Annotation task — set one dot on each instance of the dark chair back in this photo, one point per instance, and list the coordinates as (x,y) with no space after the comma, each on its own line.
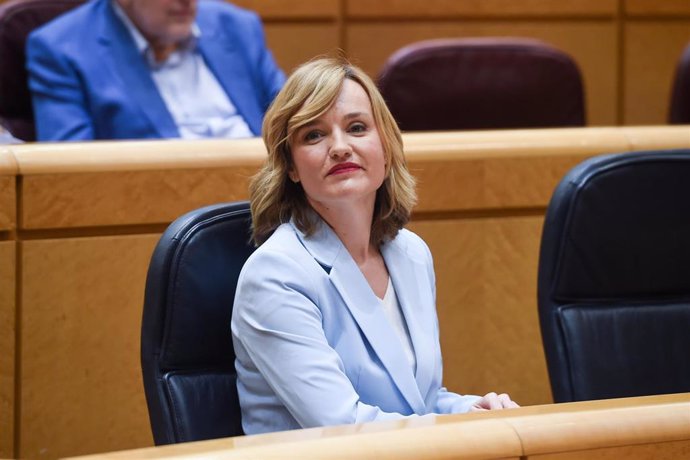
(680,96)
(614,278)
(187,357)
(482,83)
(18,18)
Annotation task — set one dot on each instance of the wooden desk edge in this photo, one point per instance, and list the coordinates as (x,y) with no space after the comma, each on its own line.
(520,432)
(105,156)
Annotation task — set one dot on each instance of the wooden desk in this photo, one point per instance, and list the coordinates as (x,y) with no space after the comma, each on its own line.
(87,216)
(630,428)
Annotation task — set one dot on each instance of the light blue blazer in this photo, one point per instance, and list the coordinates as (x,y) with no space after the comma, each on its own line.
(88,80)
(314,346)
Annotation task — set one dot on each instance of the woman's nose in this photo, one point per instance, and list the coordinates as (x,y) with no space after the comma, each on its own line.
(339,147)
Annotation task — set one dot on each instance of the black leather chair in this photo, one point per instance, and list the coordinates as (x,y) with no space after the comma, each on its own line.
(680,96)
(18,18)
(482,83)
(614,278)
(187,357)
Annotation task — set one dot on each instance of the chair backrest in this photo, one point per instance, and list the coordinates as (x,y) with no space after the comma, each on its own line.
(614,278)
(679,113)
(187,357)
(18,18)
(482,83)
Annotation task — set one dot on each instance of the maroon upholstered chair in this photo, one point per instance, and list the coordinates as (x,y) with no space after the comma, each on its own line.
(482,83)
(17,19)
(680,97)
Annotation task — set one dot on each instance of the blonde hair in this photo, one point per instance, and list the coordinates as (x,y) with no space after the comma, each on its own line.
(308,93)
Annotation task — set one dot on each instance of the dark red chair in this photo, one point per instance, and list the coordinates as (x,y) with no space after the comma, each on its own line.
(680,97)
(17,19)
(482,83)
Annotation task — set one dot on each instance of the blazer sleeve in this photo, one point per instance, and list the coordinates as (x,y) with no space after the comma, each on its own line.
(277,321)
(58,99)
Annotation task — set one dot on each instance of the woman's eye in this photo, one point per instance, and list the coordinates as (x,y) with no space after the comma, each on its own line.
(312,136)
(358,128)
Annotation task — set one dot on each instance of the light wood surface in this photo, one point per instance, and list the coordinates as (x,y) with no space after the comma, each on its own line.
(647,8)
(658,424)
(8,200)
(80,325)
(413,9)
(652,50)
(280,10)
(8,172)
(7,349)
(91,213)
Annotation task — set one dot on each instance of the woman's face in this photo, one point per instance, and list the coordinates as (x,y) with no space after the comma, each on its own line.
(339,158)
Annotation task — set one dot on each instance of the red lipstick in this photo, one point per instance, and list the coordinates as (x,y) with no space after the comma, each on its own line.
(342,168)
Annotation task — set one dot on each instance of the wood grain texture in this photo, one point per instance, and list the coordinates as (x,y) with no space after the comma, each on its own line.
(123,198)
(82,390)
(653,451)
(657,137)
(652,50)
(63,157)
(7,348)
(294,43)
(486,300)
(647,8)
(281,10)
(444,9)
(592,44)
(8,202)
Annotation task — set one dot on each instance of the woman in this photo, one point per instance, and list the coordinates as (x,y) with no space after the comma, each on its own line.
(334,320)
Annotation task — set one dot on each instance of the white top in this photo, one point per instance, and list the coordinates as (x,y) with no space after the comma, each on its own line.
(197,102)
(394,314)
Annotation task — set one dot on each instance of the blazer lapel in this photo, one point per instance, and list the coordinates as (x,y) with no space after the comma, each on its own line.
(410,280)
(135,76)
(366,309)
(226,62)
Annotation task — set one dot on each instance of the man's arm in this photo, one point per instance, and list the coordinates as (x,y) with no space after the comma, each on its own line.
(58,97)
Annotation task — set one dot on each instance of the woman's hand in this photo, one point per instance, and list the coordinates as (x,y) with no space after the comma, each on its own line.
(492,401)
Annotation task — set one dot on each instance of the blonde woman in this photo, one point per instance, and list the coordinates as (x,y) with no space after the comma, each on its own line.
(334,320)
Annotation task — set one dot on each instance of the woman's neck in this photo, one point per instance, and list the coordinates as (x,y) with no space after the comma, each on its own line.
(352,223)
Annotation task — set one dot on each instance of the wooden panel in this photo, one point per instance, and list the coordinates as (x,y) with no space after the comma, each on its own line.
(294,9)
(414,9)
(592,44)
(8,213)
(122,198)
(671,8)
(295,43)
(652,50)
(678,449)
(486,281)
(7,334)
(82,390)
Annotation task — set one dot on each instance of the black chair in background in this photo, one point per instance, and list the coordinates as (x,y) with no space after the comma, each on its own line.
(680,96)
(482,83)
(614,278)
(187,357)
(18,18)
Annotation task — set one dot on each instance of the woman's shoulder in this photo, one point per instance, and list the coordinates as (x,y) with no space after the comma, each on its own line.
(282,251)
(411,243)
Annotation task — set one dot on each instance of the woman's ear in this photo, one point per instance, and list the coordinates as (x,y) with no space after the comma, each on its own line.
(292,174)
